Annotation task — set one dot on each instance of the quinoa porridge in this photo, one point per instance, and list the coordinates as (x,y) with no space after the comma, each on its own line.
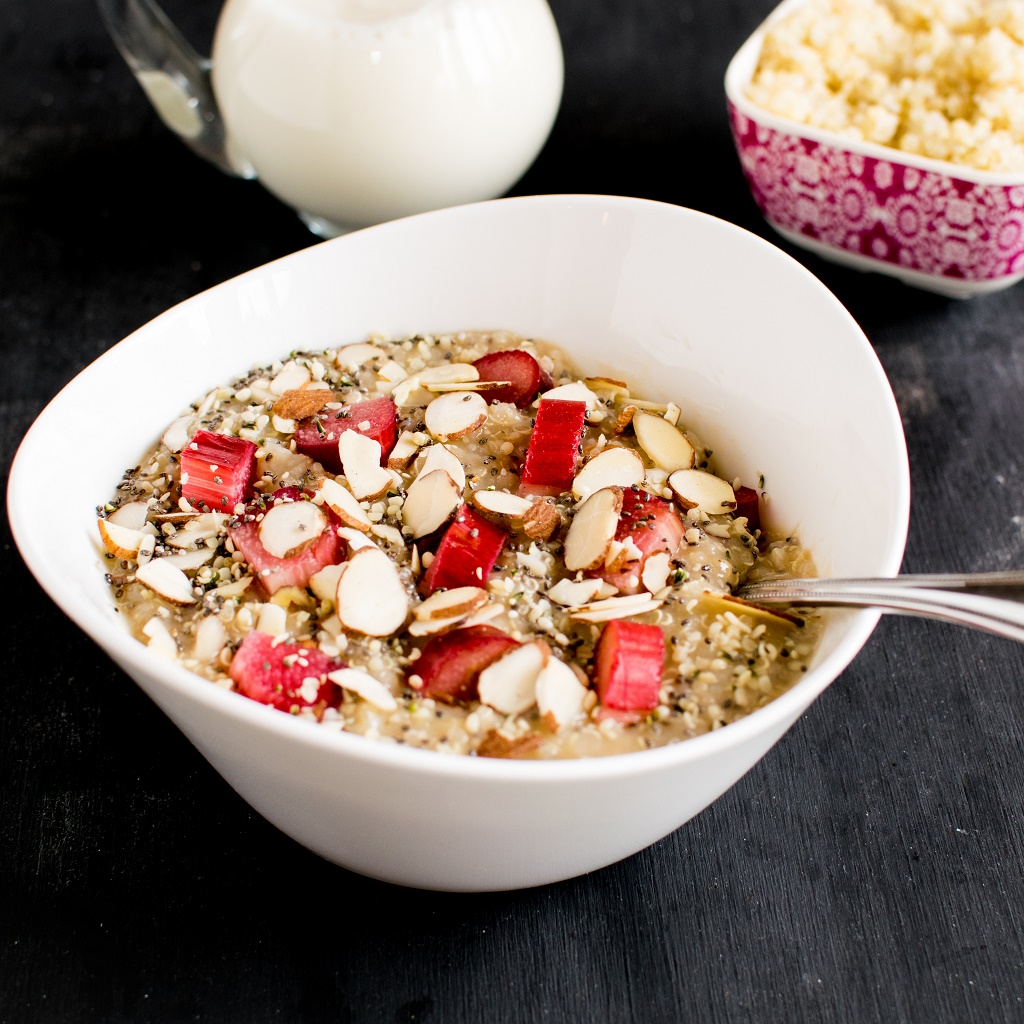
(942,79)
(456,542)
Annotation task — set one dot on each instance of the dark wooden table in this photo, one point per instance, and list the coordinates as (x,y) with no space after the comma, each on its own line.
(868,869)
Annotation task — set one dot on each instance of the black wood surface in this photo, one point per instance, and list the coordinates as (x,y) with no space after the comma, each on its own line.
(868,869)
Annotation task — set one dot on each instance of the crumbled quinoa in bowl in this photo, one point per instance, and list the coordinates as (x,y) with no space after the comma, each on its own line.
(455,542)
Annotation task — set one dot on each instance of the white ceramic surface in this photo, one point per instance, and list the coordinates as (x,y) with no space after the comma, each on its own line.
(767,366)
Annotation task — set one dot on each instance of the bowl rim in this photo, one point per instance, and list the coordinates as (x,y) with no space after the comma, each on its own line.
(741,69)
(125,650)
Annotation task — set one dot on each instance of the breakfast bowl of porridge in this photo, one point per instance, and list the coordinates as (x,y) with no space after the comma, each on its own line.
(428,536)
(887,135)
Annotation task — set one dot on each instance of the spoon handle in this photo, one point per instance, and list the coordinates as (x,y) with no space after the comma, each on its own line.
(964,599)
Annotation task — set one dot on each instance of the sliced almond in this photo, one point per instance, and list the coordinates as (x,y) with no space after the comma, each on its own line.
(167,581)
(615,608)
(391,372)
(354,539)
(654,574)
(291,526)
(560,694)
(469,385)
(718,603)
(575,392)
(592,529)
(439,456)
(451,416)
(672,413)
(342,502)
(406,449)
(620,554)
(573,593)
(666,446)
(211,638)
(324,583)
(541,521)
(625,418)
(695,488)
(509,685)
(160,640)
(430,627)
(291,377)
(501,503)
(410,394)
(614,466)
(619,388)
(197,530)
(189,561)
(456,603)
(120,541)
(301,403)
(132,515)
(351,357)
(372,690)
(272,619)
(176,436)
(360,461)
(371,597)
(497,744)
(448,373)
(431,502)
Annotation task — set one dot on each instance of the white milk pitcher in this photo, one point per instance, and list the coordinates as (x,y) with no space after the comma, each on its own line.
(357,111)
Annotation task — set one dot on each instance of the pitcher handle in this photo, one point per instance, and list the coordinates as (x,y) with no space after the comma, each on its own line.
(174,78)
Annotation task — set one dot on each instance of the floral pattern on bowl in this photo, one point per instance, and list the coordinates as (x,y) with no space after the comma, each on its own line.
(961,232)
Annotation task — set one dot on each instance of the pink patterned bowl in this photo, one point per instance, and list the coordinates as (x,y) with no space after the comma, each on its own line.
(938,226)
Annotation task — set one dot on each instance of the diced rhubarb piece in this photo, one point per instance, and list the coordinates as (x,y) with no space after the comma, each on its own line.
(516,366)
(288,677)
(628,663)
(273,573)
(747,505)
(651,524)
(550,463)
(318,436)
(217,471)
(450,664)
(466,554)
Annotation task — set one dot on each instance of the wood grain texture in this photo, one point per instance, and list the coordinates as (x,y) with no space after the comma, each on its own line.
(868,869)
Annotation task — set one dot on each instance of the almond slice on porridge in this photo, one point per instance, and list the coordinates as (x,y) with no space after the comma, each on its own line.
(455,603)
(301,403)
(509,684)
(501,503)
(120,541)
(666,445)
(560,695)
(342,502)
(613,466)
(352,357)
(167,581)
(440,456)
(592,529)
(574,392)
(372,690)
(432,501)
(616,608)
(405,451)
(360,461)
(454,415)
(695,488)
(132,515)
(371,598)
(290,526)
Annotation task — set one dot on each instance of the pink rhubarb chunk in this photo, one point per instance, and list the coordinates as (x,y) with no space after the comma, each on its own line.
(217,471)
(273,573)
(277,674)
(551,457)
(628,662)
(652,525)
(516,366)
(466,554)
(451,663)
(748,505)
(318,436)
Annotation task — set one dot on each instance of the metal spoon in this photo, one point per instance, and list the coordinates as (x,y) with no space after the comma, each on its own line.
(989,601)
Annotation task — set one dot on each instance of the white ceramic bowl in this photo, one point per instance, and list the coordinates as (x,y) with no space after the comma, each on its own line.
(937,226)
(767,366)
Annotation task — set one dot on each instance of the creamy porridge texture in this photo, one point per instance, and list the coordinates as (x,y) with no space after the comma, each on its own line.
(938,78)
(457,542)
